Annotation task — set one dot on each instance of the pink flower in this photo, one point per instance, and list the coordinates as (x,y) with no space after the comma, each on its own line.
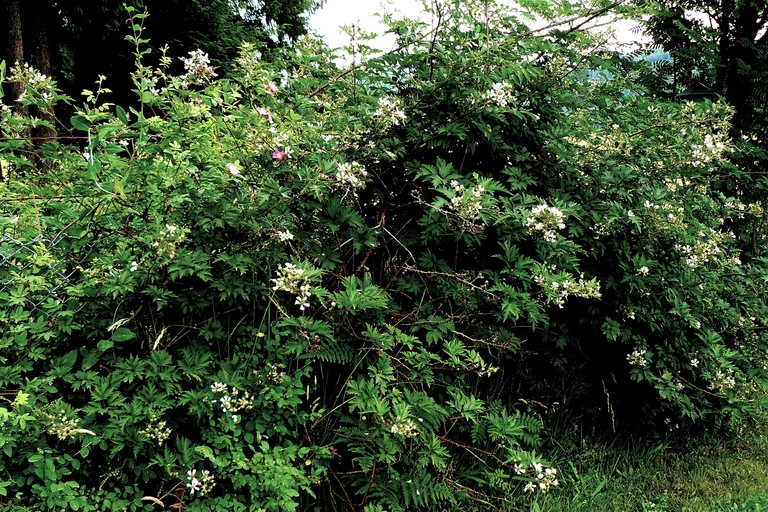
(232,168)
(271,88)
(279,155)
(264,112)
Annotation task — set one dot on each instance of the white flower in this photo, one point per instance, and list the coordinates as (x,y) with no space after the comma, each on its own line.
(218,387)
(198,67)
(351,174)
(500,94)
(192,482)
(284,236)
(637,358)
(545,220)
(134,266)
(291,279)
(389,111)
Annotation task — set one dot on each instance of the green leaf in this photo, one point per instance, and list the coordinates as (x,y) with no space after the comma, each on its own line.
(67,361)
(80,123)
(121,114)
(123,334)
(206,452)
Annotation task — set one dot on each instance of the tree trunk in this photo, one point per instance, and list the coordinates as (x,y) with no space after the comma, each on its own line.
(36,25)
(725,45)
(37,48)
(13,46)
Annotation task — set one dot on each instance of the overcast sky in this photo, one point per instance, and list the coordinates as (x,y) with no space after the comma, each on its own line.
(336,13)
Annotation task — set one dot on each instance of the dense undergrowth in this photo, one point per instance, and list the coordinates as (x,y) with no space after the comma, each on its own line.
(391,287)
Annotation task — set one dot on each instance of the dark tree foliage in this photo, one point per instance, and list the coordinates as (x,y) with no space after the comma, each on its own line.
(725,45)
(73,38)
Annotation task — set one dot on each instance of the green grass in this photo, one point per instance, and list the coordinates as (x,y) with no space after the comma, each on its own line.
(724,474)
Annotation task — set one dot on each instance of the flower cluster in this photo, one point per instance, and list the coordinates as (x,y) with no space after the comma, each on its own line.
(389,111)
(33,80)
(276,375)
(281,155)
(673,185)
(740,209)
(64,427)
(351,175)
(637,358)
(545,220)
(266,114)
(279,139)
(710,150)
(200,483)
(403,427)
(543,479)
(231,401)
(667,216)
(284,236)
(168,241)
(198,68)
(467,203)
(706,249)
(723,380)
(562,286)
(157,431)
(500,94)
(250,64)
(292,279)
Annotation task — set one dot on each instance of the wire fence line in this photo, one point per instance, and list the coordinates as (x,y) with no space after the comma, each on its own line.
(39,269)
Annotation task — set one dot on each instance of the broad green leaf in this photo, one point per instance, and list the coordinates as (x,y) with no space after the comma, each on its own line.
(80,123)
(123,334)
(121,114)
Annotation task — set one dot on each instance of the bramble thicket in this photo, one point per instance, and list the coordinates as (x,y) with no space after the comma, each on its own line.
(386,287)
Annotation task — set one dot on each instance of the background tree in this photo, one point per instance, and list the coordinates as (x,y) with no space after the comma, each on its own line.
(76,41)
(12,42)
(724,43)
